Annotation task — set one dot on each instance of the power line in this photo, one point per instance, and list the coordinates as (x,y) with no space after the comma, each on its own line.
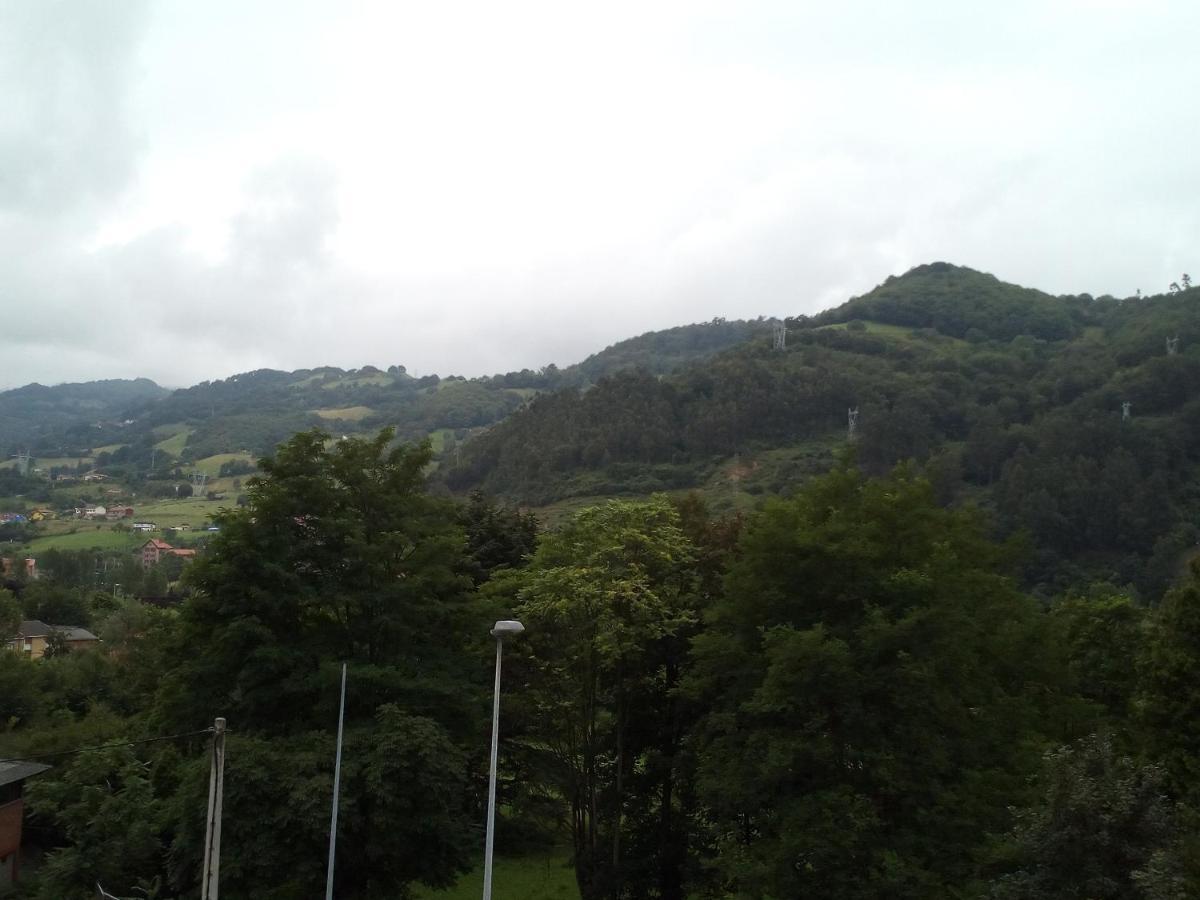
(153,740)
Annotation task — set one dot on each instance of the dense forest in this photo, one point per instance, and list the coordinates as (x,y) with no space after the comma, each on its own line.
(949,652)
(843,694)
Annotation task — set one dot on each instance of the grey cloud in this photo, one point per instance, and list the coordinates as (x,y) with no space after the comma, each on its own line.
(66,133)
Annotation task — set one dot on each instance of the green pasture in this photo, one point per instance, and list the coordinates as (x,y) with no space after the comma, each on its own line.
(169,513)
(88,537)
(211,465)
(108,448)
(542,877)
(177,440)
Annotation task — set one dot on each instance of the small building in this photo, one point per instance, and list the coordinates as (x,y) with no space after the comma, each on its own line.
(144,526)
(12,815)
(153,551)
(33,637)
(28,567)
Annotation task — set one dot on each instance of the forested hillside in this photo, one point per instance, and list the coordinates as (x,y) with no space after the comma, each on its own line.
(1012,399)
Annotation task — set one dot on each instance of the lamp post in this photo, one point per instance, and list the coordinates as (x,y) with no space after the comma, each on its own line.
(502,629)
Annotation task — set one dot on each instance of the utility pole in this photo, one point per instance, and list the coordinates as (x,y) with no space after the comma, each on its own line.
(212,837)
(337,781)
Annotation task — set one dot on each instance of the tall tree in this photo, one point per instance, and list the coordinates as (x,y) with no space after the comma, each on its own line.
(608,601)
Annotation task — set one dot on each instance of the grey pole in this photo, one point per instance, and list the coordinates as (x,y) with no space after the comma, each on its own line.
(499,632)
(216,789)
(337,781)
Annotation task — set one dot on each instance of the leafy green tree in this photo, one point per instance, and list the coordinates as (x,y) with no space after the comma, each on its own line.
(606,601)
(338,554)
(56,645)
(1103,829)
(1102,632)
(873,685)
(104,806)
(54,603)
(496,537)
(401,818)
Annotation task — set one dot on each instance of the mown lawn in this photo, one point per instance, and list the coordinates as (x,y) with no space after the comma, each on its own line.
(541,877)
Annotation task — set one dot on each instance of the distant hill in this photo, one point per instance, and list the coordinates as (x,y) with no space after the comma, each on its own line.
(30,414)
(254,411)
(1011,398)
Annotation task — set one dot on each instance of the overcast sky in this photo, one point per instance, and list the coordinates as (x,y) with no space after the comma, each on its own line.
(194,189)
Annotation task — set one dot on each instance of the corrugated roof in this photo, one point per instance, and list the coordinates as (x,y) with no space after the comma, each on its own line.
(19,771)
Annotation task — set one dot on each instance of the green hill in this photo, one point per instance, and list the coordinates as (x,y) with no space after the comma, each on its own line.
(1010,398)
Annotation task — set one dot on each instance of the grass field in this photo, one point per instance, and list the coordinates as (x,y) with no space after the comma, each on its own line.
(346,413)
(437,439)
(88,537)
(173,513)
(49,462)
(211,465)
(876,328)
(177,440)
(108,448)
(382,379)
(544,877)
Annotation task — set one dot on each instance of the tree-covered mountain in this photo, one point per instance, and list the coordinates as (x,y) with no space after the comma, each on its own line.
(1011,398)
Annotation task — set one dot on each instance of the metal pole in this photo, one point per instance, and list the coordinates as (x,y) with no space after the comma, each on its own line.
(491,812)
(216,789)
(337,781)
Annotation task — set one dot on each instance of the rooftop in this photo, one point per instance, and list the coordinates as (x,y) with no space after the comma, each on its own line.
(19,771)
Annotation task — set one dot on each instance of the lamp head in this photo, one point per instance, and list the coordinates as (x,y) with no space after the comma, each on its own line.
(507,628)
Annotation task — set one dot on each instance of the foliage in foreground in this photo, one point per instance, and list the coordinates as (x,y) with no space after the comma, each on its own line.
(843,695)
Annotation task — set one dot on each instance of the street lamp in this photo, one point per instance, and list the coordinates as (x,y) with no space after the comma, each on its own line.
(502,629)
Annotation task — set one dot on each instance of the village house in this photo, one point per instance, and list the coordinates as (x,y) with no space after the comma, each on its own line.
(12,814)
(33,637)
(155,549)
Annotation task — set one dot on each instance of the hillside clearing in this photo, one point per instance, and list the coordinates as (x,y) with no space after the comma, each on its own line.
(346,413)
